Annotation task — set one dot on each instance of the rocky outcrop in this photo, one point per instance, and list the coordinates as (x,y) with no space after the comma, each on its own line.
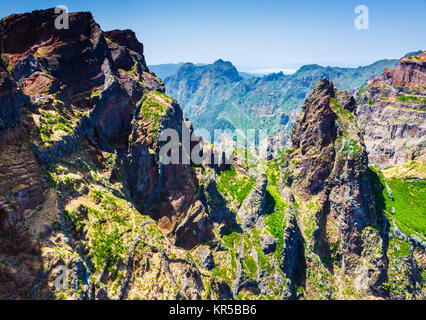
(20,180)
(151,182)
(107,73)
(206,259)
(252,208)
(127,39)
(410,72)
(329,171)
(68,143)
(292,262)
(54,50)
(392,113)
(268,243)
(61,90)
(91,209)
(11,102)
(315,127)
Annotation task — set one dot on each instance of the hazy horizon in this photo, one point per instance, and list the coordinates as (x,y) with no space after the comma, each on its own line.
(264,70)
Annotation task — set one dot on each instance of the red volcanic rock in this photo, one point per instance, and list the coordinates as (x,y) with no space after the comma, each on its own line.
(411,71)
(25,33)
(36,84)
(74,56)
(75,65)
(79,92)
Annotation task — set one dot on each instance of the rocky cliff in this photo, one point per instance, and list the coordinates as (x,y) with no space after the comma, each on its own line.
(80,119)
(88,210)
(392,112)
(409,72)
(328,181)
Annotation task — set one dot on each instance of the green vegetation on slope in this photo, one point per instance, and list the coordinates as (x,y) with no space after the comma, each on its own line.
(409,201)
(275,205)
(411,99)
(234,186)
(154,104)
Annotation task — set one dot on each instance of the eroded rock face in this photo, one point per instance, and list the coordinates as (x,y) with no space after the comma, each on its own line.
(150,181)
(83,67)
(392,113)
(292,261)
(329,172)
(316,127)
(83,187)
(80,93)
(11,102)
(127,39)
(56,51)
(409,72)
(206,259)
(20,176)
(268,243)
(252,208)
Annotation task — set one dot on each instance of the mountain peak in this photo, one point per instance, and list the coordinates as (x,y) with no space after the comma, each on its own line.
(324,86)
(317,118)
(225,69)
(126,38)
(223,63)
(220,61)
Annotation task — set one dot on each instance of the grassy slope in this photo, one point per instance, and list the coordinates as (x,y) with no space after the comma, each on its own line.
(409,201)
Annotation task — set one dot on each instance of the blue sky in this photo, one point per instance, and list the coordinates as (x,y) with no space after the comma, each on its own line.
(257,34)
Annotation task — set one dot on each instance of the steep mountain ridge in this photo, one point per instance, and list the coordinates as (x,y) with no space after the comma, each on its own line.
(328,176)
(272,102)
(88,210)
(76,102)
(392,112)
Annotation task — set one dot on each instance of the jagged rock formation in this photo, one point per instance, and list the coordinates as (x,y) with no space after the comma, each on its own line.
(330,182)
(150,182)
(88,210)
(252,208)
(80,118)
(392,112)
(409,72)
(93,205)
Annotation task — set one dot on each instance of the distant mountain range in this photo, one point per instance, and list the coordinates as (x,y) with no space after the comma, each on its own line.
(216,96)
(90,208)
(168,69)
